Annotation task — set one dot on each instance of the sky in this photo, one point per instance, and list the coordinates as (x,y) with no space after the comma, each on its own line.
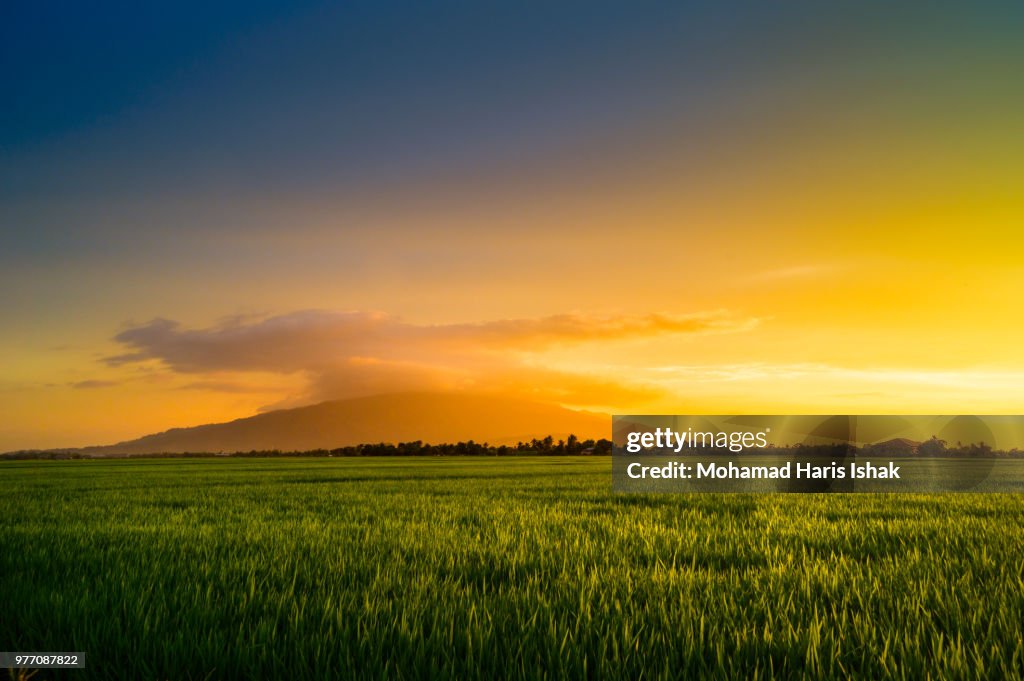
(211,211)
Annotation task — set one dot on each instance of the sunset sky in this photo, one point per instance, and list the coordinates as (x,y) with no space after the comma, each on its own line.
(209,211)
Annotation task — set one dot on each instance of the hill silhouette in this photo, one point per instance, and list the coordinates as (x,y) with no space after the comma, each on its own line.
(430,417)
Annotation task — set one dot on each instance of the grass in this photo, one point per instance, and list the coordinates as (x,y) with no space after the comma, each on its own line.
(495,568)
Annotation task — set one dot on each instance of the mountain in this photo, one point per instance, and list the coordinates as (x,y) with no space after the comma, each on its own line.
(430,417)
(900,444)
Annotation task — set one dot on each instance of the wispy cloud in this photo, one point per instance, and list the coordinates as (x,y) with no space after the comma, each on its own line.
(902,389)
(93,383)
(796,272)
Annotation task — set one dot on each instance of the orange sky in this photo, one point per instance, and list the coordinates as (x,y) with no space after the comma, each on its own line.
(896,309)
(843,234)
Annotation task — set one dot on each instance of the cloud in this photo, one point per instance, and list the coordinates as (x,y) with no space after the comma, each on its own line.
(296,341)
(86,385)
(225,387)
(567,328)
(346,354)
(795,272)
(844,389)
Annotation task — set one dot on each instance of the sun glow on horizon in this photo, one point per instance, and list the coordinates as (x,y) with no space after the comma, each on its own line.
(703,209)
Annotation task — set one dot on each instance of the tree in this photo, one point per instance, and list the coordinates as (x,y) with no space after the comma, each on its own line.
(932,447)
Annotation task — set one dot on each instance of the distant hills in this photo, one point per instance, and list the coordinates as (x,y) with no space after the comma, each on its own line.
(430,417)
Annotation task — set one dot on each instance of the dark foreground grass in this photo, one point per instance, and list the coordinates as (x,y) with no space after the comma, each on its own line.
(509,568)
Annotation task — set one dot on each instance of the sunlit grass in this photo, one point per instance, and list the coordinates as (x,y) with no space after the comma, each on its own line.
(485,568)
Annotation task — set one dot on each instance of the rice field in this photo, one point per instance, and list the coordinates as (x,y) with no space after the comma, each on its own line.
(519,568)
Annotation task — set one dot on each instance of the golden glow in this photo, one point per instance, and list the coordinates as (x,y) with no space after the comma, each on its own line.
(865,273)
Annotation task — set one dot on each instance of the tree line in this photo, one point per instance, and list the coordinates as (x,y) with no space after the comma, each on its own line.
(571,446)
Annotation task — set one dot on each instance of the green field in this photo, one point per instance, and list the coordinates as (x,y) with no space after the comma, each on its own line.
(495,568)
